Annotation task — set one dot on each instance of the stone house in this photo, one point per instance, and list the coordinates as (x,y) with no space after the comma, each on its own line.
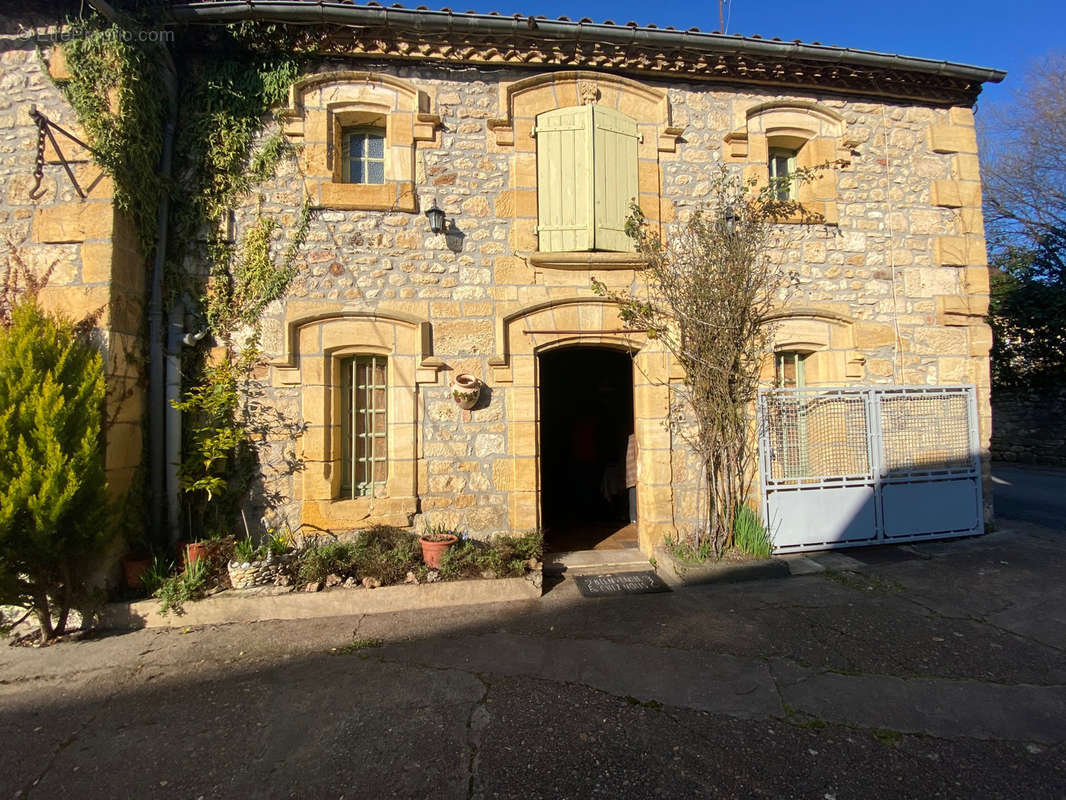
(532,135)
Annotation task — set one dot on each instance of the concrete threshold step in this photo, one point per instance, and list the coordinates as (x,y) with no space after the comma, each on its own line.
(623,560)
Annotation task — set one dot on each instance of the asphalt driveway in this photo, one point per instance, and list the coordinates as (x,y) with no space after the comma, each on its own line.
(1030,493)
(912,672)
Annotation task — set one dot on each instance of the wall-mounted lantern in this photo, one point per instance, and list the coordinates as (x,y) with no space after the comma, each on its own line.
(436,218)
(730,217)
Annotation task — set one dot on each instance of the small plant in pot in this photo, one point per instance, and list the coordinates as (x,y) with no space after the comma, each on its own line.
(194,551)
(260,565)
(436,539)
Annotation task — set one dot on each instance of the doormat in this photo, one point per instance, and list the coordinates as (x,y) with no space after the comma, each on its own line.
(620,583)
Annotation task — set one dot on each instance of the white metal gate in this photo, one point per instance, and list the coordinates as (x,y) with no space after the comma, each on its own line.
(843,467)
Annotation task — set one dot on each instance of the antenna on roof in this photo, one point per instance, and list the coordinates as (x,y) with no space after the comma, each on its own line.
(724,8)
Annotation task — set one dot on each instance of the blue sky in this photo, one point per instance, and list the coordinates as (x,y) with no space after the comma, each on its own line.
(1004,34)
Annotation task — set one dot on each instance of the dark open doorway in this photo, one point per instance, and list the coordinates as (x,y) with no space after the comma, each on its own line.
(586,420)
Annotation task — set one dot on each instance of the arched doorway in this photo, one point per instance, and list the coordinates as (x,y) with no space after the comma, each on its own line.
(586,427)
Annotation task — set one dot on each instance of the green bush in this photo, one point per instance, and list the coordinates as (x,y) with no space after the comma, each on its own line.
(504,556)
(381,552)
(385,553)
(525,546)
(320,560)
(190,584)
(689,550)
(469,558)
(53,502)
(157,574)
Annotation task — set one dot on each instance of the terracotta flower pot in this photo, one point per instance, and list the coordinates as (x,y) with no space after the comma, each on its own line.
(466,389)
(194,552)
(433,549)
(134,565)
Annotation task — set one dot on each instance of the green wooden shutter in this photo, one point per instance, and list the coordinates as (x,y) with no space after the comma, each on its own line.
(564,179)
(615,150)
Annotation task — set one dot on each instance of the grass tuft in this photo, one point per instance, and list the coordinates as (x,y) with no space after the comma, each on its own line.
(357,645)
(749,535)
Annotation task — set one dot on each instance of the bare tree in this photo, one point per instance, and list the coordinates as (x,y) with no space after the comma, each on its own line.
(1024,170)
(1024,164)
(710,289)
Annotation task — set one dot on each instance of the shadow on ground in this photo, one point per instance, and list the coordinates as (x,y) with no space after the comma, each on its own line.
(938,675)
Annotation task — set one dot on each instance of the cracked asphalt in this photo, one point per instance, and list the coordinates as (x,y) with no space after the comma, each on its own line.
(935,671)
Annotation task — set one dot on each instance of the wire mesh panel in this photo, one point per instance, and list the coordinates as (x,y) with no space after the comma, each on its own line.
(816,434)
(923,431)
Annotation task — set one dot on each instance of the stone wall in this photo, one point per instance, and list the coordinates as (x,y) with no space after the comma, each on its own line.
(90,249)
(1029,427)
(893,292)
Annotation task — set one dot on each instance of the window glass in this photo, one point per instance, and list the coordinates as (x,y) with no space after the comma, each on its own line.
(791,439)
(789,372)
(364,416)
(782,172)
(363,155)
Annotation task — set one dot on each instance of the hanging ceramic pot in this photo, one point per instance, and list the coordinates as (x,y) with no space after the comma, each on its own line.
(466,389)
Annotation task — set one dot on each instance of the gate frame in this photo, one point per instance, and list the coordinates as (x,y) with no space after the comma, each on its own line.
(875,477)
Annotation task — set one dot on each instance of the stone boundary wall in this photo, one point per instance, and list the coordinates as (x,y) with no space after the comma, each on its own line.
(1029,427)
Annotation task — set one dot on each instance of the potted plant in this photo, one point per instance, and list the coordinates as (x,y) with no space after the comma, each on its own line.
(194,551)
(436,539)
(134,564)
(259,566)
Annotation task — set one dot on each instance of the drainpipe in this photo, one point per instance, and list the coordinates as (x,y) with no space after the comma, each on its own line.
(176,339)
(156,409)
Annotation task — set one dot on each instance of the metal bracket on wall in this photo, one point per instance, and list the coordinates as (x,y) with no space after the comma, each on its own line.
(45,127)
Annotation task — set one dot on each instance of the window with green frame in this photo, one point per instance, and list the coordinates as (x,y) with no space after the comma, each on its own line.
(782,173)
(792,447)
(789,373)
(363,154)
(364,420)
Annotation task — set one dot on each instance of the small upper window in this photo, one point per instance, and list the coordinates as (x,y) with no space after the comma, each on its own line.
(782,173)
(790,373)
(363,155)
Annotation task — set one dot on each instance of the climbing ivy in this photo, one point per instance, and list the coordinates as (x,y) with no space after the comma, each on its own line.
(221,155)
(248,280)
(117,90)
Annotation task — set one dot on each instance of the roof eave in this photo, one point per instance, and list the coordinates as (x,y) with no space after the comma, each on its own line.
(425,21)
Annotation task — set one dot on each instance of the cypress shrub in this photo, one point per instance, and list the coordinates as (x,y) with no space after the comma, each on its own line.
(53,503)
